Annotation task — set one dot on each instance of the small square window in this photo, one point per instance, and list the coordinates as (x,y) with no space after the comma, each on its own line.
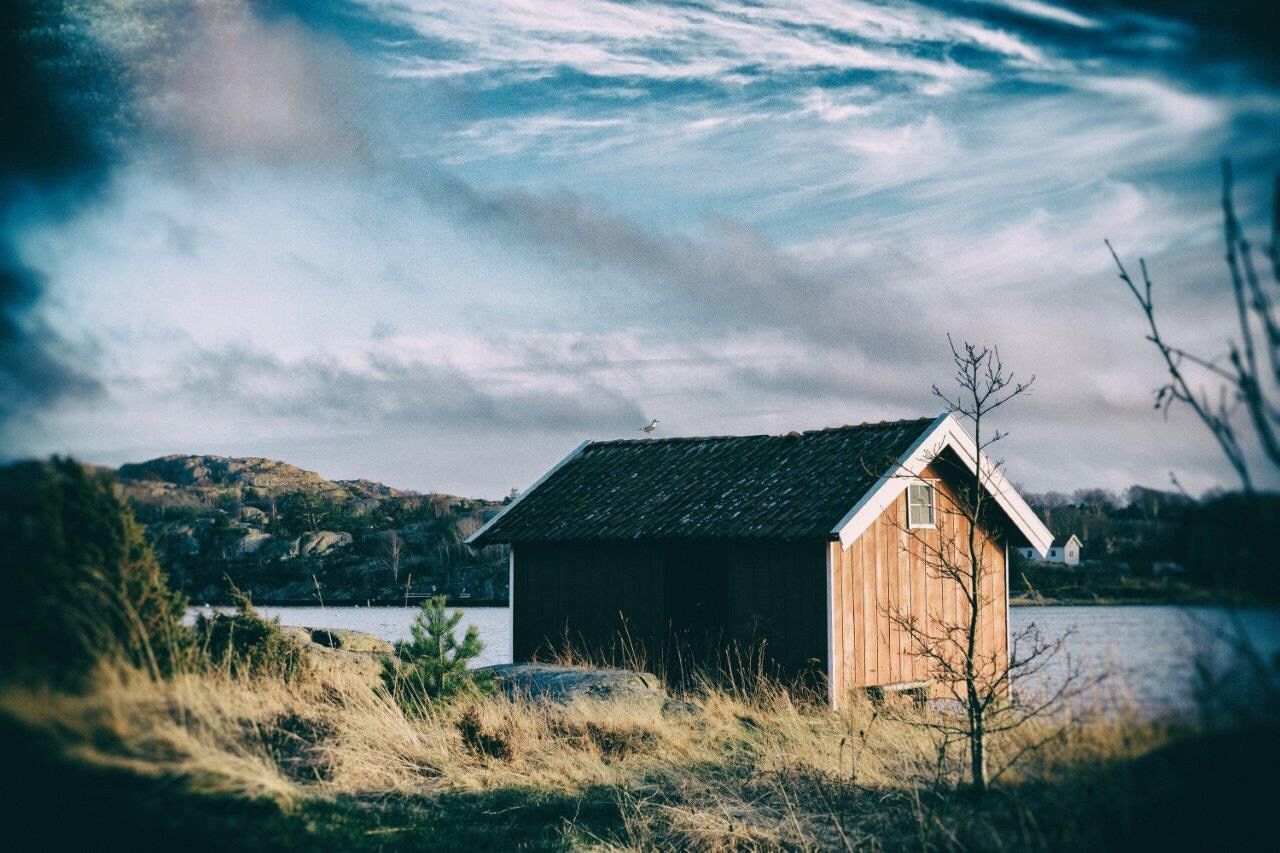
(920,509)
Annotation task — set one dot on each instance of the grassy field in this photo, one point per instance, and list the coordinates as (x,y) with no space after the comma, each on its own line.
(204,761)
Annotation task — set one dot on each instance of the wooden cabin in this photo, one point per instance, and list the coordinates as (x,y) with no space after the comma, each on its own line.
(798,546)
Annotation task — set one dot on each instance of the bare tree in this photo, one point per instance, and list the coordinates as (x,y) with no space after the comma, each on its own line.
(1245,380)
(392,551)
(272,505)
(961,549)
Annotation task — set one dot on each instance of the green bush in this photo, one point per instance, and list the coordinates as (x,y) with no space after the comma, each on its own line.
(81,582)
(247,646)
(432,665)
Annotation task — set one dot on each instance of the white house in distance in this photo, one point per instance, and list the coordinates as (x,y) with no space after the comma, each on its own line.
(1066,553)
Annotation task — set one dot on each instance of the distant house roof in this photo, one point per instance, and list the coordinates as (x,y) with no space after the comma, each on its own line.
(804,485)
(1062,542)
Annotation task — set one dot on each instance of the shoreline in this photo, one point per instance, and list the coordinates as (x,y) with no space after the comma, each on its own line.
(358,602)
(501,603)
(1139,602)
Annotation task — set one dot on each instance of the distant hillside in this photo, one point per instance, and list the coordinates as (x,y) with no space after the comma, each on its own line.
(211,475)
(289,535)
(1220,545)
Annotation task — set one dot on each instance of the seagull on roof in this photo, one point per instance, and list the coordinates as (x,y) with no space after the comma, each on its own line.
(648,430)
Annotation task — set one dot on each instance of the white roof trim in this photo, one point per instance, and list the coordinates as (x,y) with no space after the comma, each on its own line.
(883,493)
(944,432)
(538,482)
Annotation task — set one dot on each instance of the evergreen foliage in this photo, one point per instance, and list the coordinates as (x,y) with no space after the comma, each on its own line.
(432,664)
(247,646)
(83,582)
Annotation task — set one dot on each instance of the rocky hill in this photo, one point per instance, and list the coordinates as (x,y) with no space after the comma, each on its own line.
(290,536)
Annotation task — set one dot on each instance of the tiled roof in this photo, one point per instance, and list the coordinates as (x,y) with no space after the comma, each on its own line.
(795,486)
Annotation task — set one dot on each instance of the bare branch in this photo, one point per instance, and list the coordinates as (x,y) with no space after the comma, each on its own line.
(1243,381)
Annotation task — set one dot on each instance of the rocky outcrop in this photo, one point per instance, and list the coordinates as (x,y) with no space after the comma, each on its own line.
(264,475)
(339,650)
(363,506)
(555,683)
(287,535)
(322,542)
(352,641)
(280,549)
(254,516)
(175,539)
(251,542)
(372,488)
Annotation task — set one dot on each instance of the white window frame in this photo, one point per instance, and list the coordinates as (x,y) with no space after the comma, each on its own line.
(931,485)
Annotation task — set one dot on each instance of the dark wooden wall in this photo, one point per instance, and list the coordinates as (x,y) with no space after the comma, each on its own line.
(775,592)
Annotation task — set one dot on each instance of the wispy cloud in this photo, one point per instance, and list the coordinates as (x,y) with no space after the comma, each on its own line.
(512,224)
(1048,12)
(375,388)
(695,41)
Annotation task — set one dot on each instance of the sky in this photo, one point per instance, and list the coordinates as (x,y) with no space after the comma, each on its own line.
(438,244)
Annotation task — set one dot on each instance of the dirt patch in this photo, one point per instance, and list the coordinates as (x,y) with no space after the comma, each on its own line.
(614,742)
(296,744)
(481,741)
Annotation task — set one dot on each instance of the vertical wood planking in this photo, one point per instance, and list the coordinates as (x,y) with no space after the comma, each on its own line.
(936,594)
(907,603)
(846,615)
(888,601)
(897,601)
(864,589)
(592,637)
(787,559)
(632,596)
(835,622)
(989,597)
(520,604)
(1000,603)
(886,570)
(884,659)
(919,598)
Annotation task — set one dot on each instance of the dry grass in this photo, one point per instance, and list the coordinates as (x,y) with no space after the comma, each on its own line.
(743,769)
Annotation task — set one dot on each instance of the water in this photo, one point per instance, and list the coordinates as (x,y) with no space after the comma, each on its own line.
(392,623)
(1146,653)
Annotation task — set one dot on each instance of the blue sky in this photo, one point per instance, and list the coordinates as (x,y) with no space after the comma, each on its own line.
(438,244)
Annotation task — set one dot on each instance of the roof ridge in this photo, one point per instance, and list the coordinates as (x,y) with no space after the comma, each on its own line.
(793,434)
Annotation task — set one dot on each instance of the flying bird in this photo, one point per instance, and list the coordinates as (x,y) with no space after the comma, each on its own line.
(648,430)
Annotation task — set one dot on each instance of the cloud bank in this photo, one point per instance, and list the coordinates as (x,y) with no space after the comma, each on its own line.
(337,232)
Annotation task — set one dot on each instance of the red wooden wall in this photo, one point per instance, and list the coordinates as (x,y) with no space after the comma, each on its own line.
(890,571)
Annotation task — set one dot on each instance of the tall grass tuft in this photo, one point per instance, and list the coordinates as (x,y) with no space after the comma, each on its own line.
(244,645)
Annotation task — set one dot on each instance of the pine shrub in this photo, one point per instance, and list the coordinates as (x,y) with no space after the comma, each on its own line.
(433,663)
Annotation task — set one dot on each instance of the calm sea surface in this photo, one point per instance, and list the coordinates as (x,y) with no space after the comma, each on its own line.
(1147,653)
